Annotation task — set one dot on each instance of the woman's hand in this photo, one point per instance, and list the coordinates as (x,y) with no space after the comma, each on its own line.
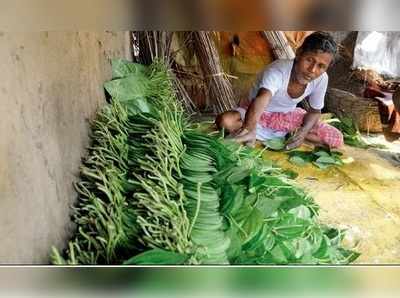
(245,136)
(297,140)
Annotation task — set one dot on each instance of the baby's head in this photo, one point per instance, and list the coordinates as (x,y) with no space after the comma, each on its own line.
(230,121)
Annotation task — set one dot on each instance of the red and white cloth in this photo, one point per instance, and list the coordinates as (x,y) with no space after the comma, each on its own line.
(291,121)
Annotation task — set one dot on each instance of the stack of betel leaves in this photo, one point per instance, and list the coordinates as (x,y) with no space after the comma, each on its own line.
(154,190)
(320,157)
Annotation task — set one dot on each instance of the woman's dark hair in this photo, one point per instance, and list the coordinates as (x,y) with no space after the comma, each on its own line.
(319,41)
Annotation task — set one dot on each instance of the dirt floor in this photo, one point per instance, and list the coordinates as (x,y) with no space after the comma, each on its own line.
(362,196)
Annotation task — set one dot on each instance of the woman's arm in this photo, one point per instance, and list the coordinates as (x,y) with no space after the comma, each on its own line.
(310,119)
(253,114)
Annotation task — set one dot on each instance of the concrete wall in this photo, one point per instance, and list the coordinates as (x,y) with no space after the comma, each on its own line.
(50,86)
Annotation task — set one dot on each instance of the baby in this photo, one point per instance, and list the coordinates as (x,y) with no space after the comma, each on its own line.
(232,123)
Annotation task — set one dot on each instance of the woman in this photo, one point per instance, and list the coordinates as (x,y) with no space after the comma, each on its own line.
(282,85)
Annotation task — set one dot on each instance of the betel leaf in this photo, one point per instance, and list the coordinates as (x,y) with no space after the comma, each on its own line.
(238,174)
(278,255)
(298,161)
(321,153)
(289,250)
(128,88)
(326,159)
(235,246)
(305,155)
(256,181)
(275,143)
(268,206)
(301,212)
(276,181)
(269,241)
(322,251)
(158,256)
(290,226)
(238,198)
(290,174)
(227,199)
(242,213)
(302,248)
(256,241)
(122,68)
(253,223)
(232,198)
(349,255)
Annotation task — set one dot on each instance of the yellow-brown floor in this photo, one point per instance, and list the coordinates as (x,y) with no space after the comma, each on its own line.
(362,197)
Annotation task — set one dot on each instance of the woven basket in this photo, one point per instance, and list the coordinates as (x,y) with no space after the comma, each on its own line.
(363,111)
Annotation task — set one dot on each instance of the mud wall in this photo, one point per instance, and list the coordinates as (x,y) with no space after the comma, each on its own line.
(50,88)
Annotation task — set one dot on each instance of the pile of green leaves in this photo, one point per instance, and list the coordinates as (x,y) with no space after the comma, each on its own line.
(268,219)
(275,144)
(155,191)
(320,157)
(351,133)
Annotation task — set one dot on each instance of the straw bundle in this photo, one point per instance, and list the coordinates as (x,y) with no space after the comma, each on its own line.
(279,44)
(156,45)
(220,97)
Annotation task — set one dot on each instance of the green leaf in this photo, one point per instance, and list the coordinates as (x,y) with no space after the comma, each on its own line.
(326,159)
(290,174)
(122,68)
(243,213)
(275,144)
(253,223)
(301,212)
(321,153)
(157,256)
(323,248)
(302,247)
(238,174)
(269,241)
(350,255)
(128,88)
(347,122)
(232,199)
(256,181)
(290,227)
(256,241)
(278,255)
(269,206)
(305,155)
(297,160)
(235,246)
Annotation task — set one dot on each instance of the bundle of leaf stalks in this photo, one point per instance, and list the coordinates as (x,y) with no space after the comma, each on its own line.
(153,190)
(221,95)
